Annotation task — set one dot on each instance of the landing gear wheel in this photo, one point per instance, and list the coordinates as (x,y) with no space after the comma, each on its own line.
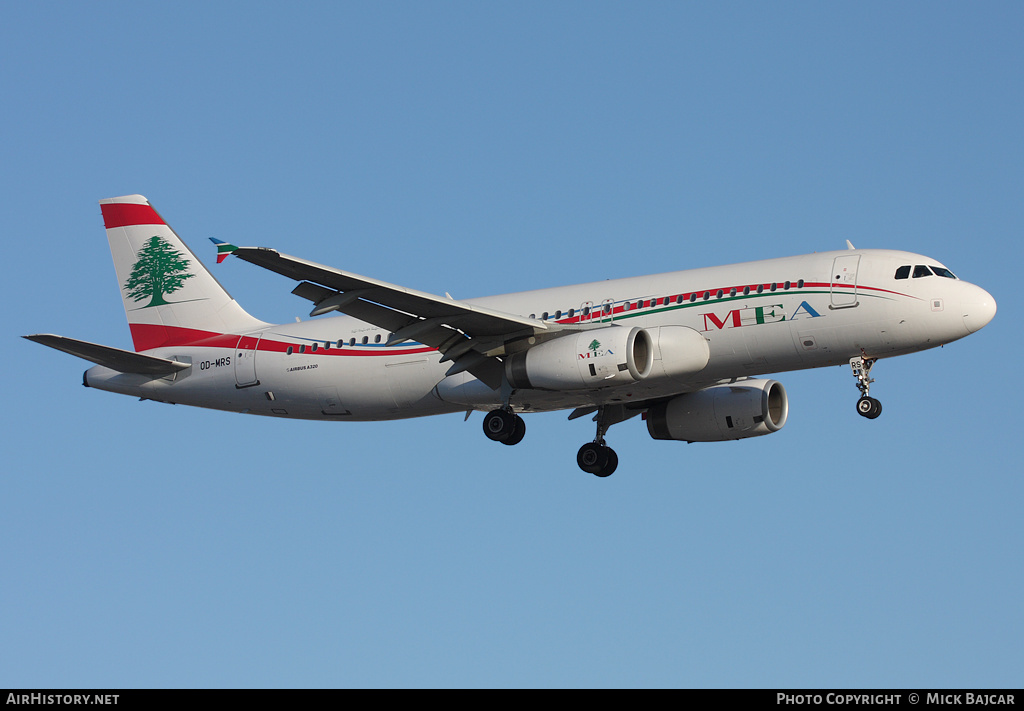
(613,463)
(869,407)
(597,459)
(518,432)
(500,425)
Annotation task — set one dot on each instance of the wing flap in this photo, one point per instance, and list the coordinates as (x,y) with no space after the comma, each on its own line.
(113,358)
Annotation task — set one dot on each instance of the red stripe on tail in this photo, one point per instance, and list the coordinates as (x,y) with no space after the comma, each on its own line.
(120,214)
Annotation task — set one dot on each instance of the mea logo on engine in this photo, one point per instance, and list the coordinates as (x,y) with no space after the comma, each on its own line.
(594,350)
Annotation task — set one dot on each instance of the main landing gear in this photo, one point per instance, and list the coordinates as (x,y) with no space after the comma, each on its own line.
(596,457)
(867,406)
(505,426)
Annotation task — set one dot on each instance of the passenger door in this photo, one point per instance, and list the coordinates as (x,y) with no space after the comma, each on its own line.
(844,281)
(245,360)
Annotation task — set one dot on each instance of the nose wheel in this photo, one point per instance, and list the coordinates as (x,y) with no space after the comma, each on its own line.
(867,406)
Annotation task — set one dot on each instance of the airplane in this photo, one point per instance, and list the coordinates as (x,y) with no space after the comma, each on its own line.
(680,349)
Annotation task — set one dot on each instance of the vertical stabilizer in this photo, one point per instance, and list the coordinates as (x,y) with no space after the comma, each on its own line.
(169,296)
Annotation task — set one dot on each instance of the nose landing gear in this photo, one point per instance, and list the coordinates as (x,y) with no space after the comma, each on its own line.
(867,406)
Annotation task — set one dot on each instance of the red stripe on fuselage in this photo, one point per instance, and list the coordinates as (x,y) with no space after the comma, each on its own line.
(147,336)
(121,214)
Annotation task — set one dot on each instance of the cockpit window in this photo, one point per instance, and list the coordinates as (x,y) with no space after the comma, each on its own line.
(921,271)
(903,272)
(943,272)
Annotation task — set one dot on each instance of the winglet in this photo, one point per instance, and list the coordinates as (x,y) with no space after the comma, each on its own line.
(223,249)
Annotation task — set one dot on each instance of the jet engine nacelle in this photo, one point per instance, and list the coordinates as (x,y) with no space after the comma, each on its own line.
(600,357)
(749,408)
(679,352)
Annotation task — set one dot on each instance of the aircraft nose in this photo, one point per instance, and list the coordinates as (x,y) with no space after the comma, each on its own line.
(978,308)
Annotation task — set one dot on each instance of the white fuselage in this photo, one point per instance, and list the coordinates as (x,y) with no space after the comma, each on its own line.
(758,317)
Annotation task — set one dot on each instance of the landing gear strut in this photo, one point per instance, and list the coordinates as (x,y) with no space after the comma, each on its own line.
(504,426)
(867,406)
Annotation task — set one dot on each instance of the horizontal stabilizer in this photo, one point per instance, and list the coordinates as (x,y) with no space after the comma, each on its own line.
(113,358)
(223,249)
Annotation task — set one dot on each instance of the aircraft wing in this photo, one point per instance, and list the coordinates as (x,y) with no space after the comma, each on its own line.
(465,333)
(113,358)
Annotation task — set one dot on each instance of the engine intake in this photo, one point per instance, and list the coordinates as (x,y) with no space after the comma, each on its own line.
(750,408)
(595,358)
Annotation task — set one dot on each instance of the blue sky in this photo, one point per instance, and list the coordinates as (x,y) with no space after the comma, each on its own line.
(481,148)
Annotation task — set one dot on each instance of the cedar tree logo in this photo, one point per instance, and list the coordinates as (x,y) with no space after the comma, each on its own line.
(594,345)
(160,270)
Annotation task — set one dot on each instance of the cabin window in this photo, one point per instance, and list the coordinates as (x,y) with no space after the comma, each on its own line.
(586,310)
(746,291)
(732,291)
(786,286)
(707,295)
(315,346)
(340,343)
(558,314)
(773,287)
(352,341)
(760,288)
(679,299)
(903,272)
(921,270)
(719,294)
(800,284)
(366,339)
(572,313)
(943,272)
(607,308)
(376,339)
(302,348)
(544,316)
(290,350)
